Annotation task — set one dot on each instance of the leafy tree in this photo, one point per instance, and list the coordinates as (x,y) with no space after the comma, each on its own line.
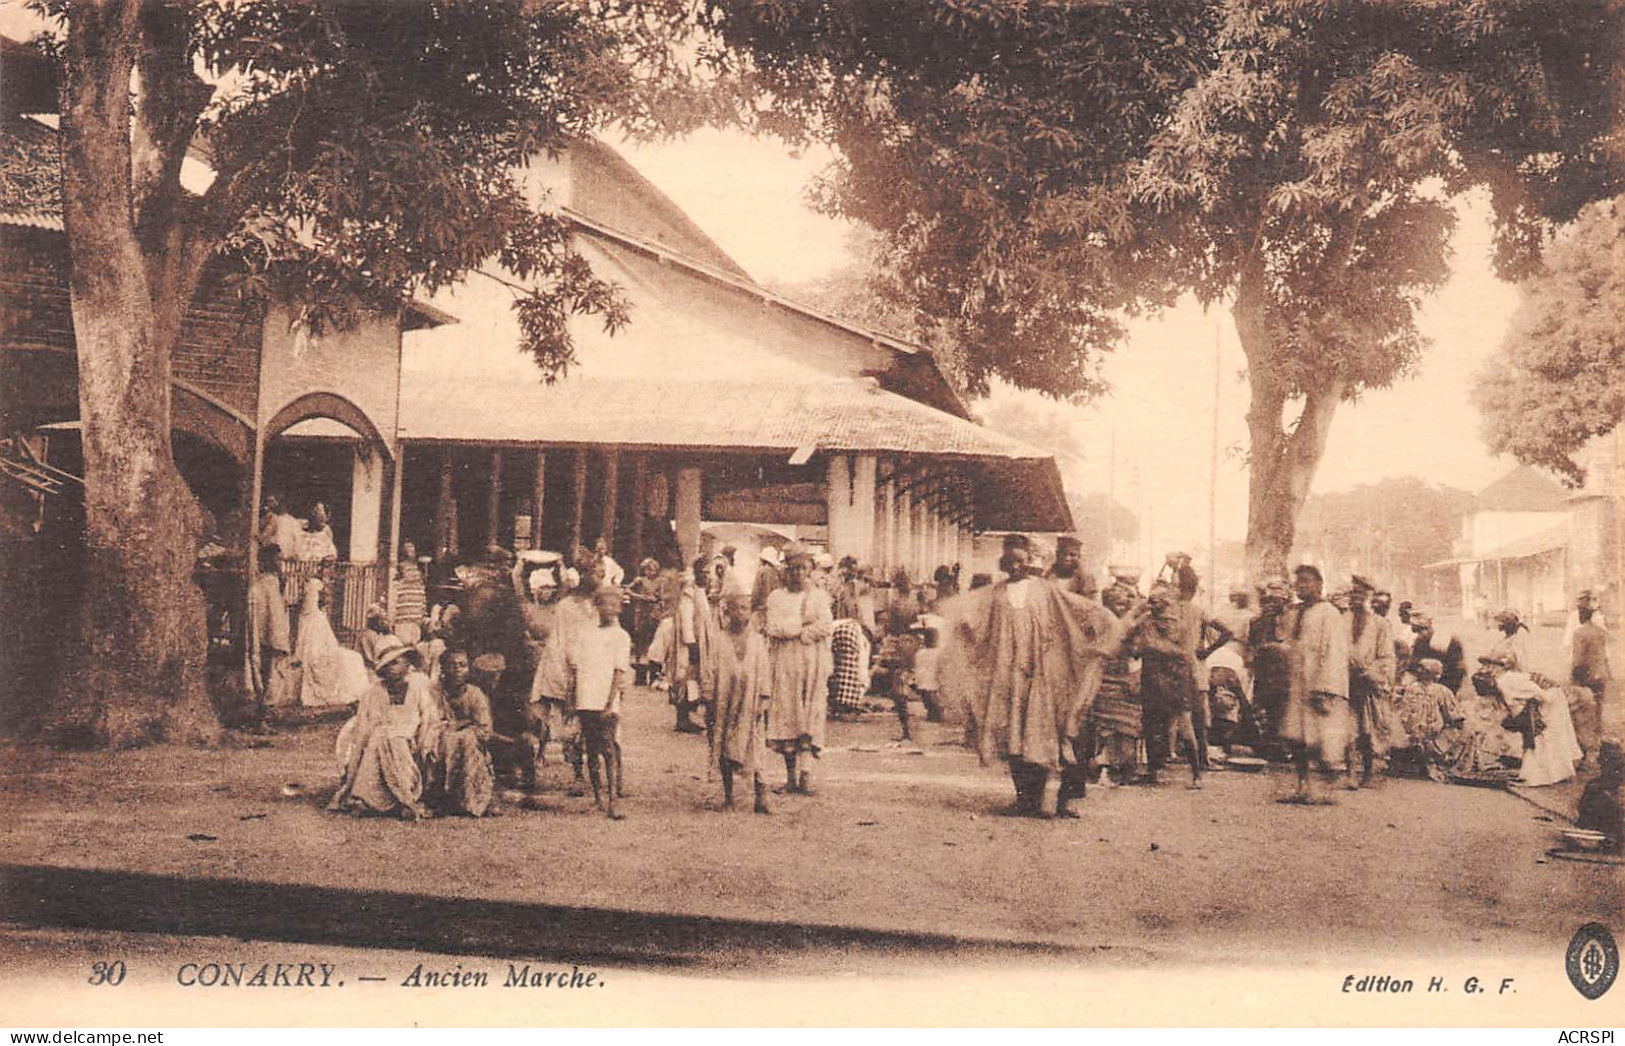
(1389,530)
(862,292)
(1037,169)
(1559,379)
(362,151)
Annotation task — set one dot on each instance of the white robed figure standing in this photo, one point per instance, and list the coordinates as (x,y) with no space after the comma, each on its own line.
(329,674)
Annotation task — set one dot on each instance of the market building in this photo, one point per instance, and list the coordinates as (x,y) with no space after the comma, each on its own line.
(721,404)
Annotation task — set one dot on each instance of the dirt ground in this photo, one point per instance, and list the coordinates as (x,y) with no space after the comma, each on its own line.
(899,839)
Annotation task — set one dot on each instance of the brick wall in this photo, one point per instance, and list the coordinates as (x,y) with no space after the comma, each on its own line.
(218,349)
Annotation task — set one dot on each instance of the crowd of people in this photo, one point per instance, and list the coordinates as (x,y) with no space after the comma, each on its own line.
(1051,674)
(1109,687)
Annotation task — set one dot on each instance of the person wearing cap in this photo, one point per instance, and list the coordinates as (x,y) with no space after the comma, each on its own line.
(1429,717)
(797,625)
(599,664)
(768,578)
(1269,652)
(547,629)
(1317,720)
(744,694)
(384,747)
(687,659)
(1446,650)
(1371,677)
(1589,669)
(1025,660)
(1585,601)
(1168,692)
(643,594)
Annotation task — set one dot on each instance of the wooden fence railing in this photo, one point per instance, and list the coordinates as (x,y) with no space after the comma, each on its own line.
(351,588)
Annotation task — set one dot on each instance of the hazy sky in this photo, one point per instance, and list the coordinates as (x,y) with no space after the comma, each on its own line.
(749,196)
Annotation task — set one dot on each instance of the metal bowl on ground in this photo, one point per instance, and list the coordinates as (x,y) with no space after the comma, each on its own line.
(1246,763)
(1584,839)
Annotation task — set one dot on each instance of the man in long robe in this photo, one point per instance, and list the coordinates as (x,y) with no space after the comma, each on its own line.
(272,678)
(1371,678)
(1025,660)
(1317,719)
(744,694)
(687,654)
(383,749)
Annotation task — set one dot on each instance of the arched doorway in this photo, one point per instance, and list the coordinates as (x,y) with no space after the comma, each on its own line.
(322,449)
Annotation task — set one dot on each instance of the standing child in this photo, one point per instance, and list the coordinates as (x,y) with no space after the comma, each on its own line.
(744,692)
(600,667)
(925,665)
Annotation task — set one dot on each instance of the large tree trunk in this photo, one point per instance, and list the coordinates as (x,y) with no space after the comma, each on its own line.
(1281,461)
(141,673)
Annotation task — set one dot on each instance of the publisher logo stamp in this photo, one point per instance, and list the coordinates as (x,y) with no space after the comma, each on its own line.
(1593,960)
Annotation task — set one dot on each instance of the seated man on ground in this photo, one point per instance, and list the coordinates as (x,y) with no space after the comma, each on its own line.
(384,748)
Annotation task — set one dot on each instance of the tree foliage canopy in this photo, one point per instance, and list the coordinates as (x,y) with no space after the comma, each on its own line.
(365,150)
(1040,170)
(1393,528)
(1559,379)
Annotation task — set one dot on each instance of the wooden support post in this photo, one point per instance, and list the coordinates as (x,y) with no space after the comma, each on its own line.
(612,486)
(397,471)
(578,499)
(445,506)
(838,505)
(904,556)
(863,508)
(640,505)
(493,503)
(688,513)
(540,498)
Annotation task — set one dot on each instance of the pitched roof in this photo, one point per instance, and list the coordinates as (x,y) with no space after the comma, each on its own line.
(1019,486)
(1524,489)
(1548,540)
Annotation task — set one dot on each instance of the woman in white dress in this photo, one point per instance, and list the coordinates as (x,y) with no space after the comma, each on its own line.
(1550,749)
(328,673)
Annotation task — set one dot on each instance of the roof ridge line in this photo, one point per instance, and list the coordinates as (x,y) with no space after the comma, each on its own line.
(666,253)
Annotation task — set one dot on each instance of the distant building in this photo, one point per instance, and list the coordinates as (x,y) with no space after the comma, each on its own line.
(1530,545)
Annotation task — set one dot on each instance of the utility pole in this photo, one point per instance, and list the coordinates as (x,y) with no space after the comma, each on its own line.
(1213,484)
(1111,499)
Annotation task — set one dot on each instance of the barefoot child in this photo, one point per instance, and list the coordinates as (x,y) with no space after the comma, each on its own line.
(600,666)
(743,694)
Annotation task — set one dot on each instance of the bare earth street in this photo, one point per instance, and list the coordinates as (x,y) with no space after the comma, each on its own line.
(900,852)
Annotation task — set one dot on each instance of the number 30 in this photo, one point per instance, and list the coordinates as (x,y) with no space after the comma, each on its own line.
(109,973)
